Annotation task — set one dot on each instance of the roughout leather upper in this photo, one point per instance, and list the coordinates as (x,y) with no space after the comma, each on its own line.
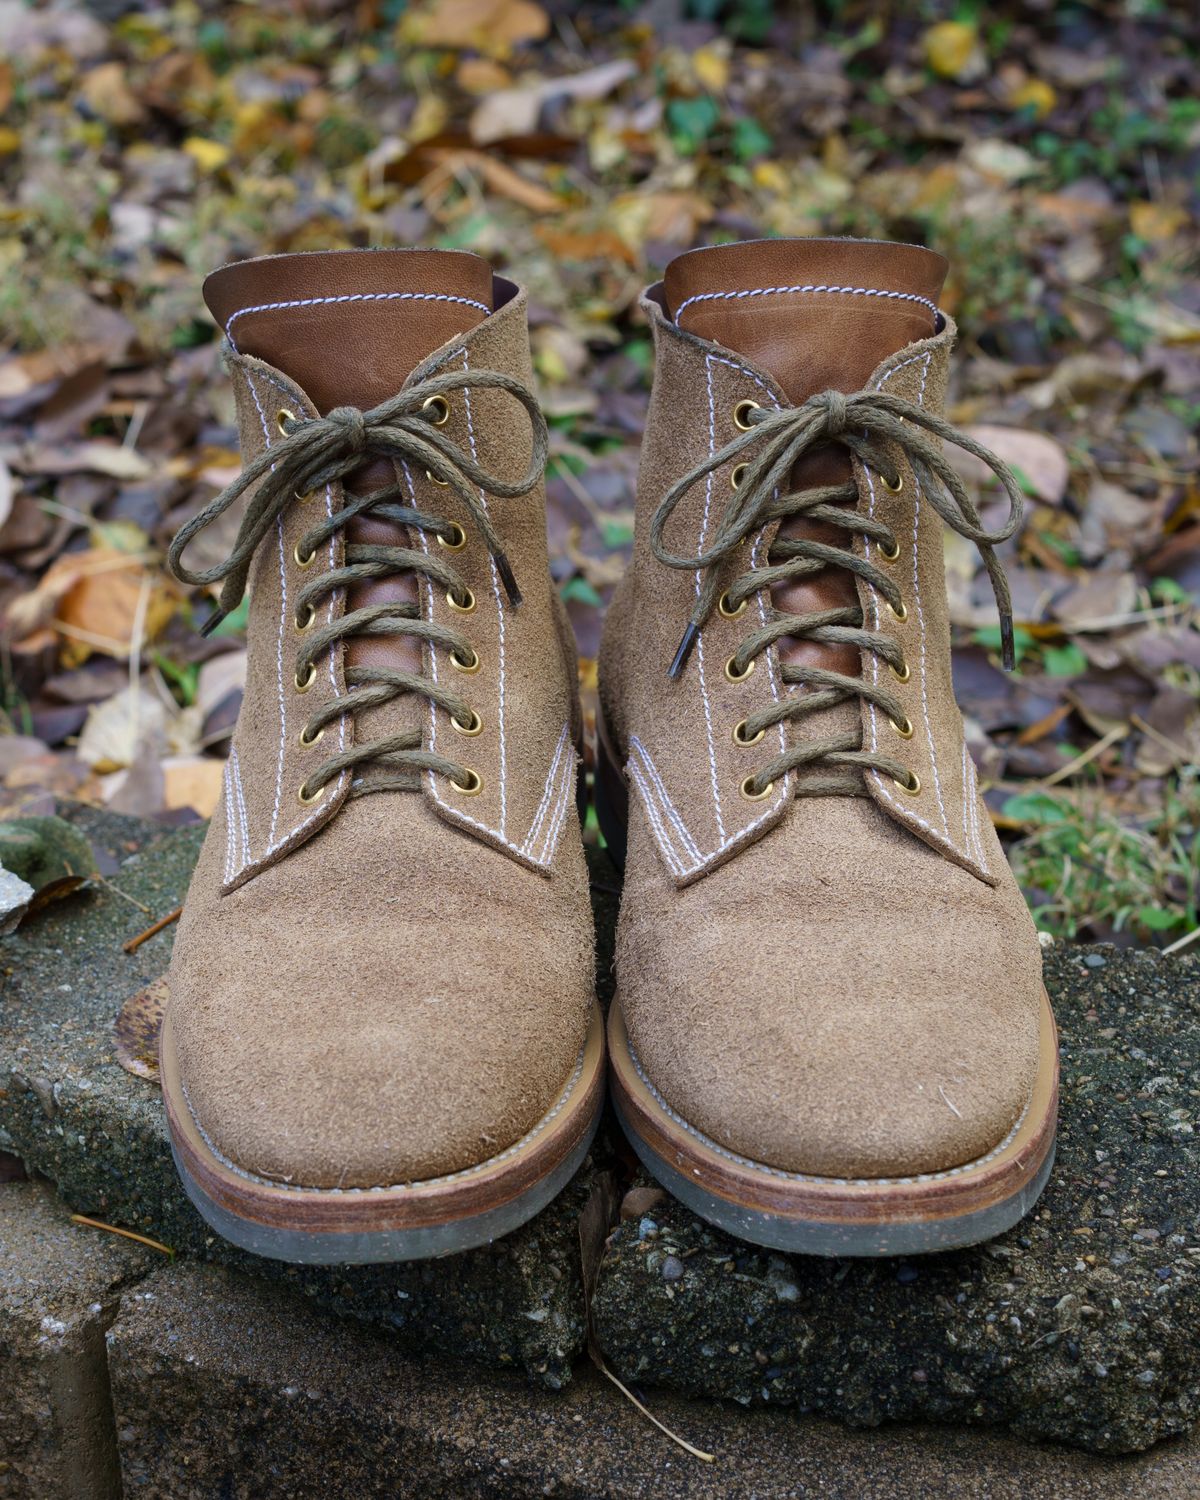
(381,989)
(845,987)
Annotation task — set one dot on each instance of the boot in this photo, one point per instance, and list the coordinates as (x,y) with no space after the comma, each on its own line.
(830,1032)
(382,1042)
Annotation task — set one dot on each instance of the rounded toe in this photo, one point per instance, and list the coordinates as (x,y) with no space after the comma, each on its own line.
(852,1063)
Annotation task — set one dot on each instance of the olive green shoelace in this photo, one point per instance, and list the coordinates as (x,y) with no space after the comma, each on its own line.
(321,451)
(871,425)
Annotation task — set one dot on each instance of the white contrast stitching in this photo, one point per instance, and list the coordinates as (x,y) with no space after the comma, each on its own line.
(767,291)
(708,725)
(937,781)
(699,862)
(350,297)
(227,781)
(483,1166)
(769,1171)
(500,621)
(688,843)
(906,814)
(262,417)
(535,827)
(566,788)
(664,840)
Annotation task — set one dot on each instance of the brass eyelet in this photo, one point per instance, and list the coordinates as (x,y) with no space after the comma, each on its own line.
(752,796)
(309,618)
(739,473)
(911,787)
(473,785)
(441,483)
(457,539)
(901,673)
(307,740)
(903,727)
(308,798)
(304,683)
(733,674)
(303,562)
(741,415)
(462,609)
(731,611)
(889,556)
(282,418)
(901,614)
(460,665)
(739,735)
(473,726)
(894,488)
(441,406)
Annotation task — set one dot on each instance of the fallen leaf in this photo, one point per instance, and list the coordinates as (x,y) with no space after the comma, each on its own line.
(137,1029)
(515,111)
(49,854)
(493,27)
(952,51)
(114,730)
(193,781)
(1038,460)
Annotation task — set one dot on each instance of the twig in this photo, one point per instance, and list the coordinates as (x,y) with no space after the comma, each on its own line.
(1118,732)
(124,895)
(699,1453)
(126,1234)
(135,943)
(1180,943)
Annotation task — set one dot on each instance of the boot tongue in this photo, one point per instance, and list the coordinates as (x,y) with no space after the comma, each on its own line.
(815,315)
(349,326)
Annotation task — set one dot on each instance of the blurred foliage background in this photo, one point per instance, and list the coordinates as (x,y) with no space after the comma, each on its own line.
(1052,151)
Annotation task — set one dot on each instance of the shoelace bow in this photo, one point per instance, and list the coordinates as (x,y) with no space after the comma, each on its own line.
(867,424)
(320,451)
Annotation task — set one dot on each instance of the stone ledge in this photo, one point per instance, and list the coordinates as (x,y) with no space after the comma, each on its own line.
(71,1112)
(59,1289)
(223,1387)
(1081,1325)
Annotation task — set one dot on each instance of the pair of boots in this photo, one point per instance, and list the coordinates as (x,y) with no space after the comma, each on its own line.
(830,1032)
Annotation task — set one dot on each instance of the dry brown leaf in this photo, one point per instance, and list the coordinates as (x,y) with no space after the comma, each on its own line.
(106,92)
(193,781)
(137,1027)
(493,27)
(1038,458)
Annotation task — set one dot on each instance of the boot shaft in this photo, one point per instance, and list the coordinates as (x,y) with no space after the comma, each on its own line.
(813,315)
(311,334)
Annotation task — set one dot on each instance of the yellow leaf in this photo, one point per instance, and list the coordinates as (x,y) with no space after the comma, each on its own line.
(711,65)
(1156,221)
(1035,94)
(771,176)
(951,49)
(209,156)
(493,27)
(429,118)
(10,141)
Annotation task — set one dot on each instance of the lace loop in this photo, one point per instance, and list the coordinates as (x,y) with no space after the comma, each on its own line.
(315,452)
(872,425)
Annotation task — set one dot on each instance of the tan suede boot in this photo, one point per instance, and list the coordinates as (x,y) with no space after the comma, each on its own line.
(830,1032)
(381,1042)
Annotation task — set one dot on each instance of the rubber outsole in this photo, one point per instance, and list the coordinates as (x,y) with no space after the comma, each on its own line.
(408,1221)
(810,1215)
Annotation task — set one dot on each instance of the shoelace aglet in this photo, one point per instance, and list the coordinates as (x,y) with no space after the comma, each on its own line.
(675,670)
(213,621)
(1008,646)
(505,571)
